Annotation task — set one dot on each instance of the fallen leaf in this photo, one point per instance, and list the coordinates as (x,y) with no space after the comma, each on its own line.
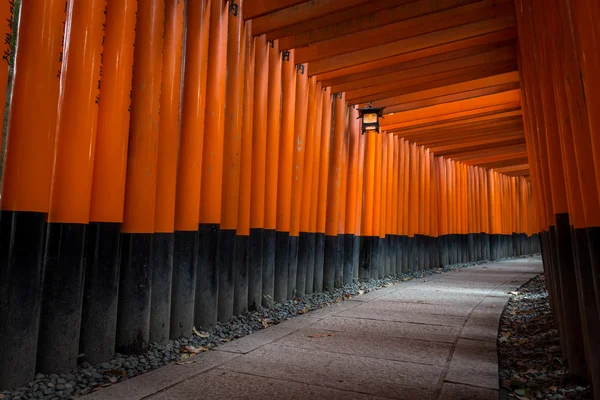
(388,285)
(553,388)
(493,306)
(405,279)
(185,362)
(193,350)
(303,311)
(225,340)
(346,296)
(361,292)
(202,335)
(338,299)
(112,379)
(116,372)
(320,335)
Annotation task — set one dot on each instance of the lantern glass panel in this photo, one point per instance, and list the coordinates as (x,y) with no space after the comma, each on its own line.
(370,118)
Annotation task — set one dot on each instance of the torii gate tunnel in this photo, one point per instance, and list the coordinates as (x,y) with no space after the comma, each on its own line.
(169,164)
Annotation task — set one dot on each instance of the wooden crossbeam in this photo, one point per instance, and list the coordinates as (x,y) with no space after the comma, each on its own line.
(412,45)
(507,53)
(455,18)
(390,94)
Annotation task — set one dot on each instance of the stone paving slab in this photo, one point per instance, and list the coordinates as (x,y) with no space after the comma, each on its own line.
(434,333)
(453,391)
(341,371)
(403,316)
(223,384)
(474,363)
(152,382)
(376,346)
(402,341)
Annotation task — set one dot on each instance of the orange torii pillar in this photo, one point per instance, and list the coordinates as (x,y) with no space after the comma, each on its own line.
(311,247)
(299,152)
(232,265)
(206,307)
(26,186)
(99,316)
(272,171)
(395,209)
(350,255)
(284,179)
(403,190)
(248,286)
(189,170)
(306,254)
(324,162)
(166,177)
(70,194)
(376,259)
(259,148)
(133,319)
(338,140)
(360,185)
(366,232)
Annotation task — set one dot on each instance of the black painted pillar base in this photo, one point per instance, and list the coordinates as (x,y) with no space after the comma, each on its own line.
(133,318)
(319,262)
(356,258)
(62,298)
(348,265)
(395,268)
(22,239)
(382,257)
(573,346)
(310,262)
(587,302)
(364,273)
(225,270)
(554,269)
(405,244)
(292,267)
(302,265)
(207,277)
(375,258)
(101,292)
(268,257)
(471,247)
(256,291)
(185,264)
(282,260)
(388,255)
(410,254)
(162,276)
(329,267)
(240,275)
(339,261)
(593,234)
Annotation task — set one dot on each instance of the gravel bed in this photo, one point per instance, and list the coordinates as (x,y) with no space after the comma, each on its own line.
(88,378)
(529,354)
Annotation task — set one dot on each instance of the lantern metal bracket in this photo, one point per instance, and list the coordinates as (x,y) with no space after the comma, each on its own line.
(234,7)
(300,68)
(271,43)
(338,95)
(285,55)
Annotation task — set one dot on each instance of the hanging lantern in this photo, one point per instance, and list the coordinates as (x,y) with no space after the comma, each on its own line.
(370,118)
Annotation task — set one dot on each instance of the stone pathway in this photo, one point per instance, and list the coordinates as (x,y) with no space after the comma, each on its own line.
(431,338)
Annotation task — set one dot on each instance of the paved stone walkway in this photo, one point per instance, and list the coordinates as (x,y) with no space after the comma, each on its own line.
(431,338)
